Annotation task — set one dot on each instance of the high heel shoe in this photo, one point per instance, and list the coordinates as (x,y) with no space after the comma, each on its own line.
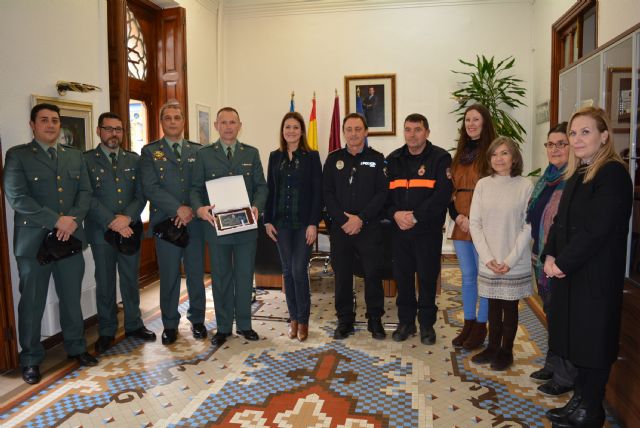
(303,332)
(293,329)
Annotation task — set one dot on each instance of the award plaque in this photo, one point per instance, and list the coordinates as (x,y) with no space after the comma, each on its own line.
(232,208)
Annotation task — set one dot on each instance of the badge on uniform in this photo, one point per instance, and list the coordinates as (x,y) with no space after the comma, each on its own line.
(421,170)
(339,164)
(159,155)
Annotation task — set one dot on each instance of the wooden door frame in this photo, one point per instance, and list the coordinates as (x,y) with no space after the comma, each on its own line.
(8,333)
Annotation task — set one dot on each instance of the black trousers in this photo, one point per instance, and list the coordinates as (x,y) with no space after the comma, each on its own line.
(591,384)
(368,245)
(416,254)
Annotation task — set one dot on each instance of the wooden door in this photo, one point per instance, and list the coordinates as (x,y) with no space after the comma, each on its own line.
(163,38)
(8,342)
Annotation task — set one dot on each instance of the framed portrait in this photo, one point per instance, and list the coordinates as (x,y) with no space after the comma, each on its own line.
(204,124)
(233,219)
(618,100)
(76,119)
(373,95)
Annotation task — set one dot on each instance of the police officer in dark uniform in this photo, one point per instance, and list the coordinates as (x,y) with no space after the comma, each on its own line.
(166,167)
(419,192)
(48,187)
(355,190)
(115,206)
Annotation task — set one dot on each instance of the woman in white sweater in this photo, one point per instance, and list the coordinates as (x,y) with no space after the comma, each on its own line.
(502,239)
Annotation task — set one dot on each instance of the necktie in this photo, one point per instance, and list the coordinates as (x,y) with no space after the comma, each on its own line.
(229,155)
(176,150)
(52,154)
(114,161)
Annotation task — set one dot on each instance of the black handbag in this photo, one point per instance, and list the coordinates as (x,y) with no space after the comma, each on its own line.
(52,249)
(128,246)
(168,231)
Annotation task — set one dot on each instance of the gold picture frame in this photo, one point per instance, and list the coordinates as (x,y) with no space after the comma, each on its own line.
(76,121)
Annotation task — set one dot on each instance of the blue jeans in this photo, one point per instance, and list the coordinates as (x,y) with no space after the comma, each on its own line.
(468,259)
(294,255)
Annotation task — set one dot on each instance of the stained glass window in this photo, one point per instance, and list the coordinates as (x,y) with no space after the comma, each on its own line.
(136,49)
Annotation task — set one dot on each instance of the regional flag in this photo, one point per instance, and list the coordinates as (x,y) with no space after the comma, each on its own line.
(334,137)
(292,104)
(312,138)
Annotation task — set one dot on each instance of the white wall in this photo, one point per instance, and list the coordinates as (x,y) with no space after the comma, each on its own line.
(202,61)
(266,56)
(42,41)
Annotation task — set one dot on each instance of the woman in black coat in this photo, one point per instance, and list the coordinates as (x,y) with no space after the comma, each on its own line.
(292,214)
(586,255)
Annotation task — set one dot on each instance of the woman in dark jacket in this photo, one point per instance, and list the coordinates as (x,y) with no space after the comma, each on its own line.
(586,255)
(292,214)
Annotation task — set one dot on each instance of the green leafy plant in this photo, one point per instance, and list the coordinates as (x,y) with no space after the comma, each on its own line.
(490,85)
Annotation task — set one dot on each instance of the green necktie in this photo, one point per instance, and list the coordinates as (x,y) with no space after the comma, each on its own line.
(53,154)
(114,161)
(176,150)
(229,155)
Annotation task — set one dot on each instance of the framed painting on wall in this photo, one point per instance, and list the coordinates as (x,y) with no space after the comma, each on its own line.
(204,124)
(373,95)
(618,102)
(76,121)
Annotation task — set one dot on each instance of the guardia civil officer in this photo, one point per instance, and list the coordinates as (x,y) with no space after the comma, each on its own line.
(116,205)
(354,190)
(419,192)
(47,186)
(166,167)
(232,256)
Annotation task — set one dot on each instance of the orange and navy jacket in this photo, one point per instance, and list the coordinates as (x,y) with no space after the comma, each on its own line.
(421,184)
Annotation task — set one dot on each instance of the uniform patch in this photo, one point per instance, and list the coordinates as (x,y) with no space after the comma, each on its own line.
(421,170)
(369,164)
(448,173)
(159,155)
(339,164)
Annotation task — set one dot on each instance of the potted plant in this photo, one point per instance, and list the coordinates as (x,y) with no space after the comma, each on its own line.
(490,85)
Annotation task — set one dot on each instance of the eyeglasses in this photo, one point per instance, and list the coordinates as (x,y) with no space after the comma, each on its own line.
(556,145)
(117,130)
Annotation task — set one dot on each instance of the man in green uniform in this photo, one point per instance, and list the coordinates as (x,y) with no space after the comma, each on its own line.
(116,205)
(166,167)
(232,256)
(48,188)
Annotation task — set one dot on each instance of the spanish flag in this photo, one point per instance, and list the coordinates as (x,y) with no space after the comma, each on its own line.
(312,137)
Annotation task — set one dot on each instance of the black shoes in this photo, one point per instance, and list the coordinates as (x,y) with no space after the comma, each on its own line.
(542,375)
(199,331)
(560,414)
(554,389)
(142,333)
(583,417)
(343,331)
(427,335)
(248,334)
(103,343)
(374,325)
(403,332)
(219,338)
(31,374)
(85,359)
(169,335)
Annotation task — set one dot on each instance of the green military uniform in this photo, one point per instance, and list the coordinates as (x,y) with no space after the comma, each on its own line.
(232,256)
(40,190)
(166,181)
(116,190)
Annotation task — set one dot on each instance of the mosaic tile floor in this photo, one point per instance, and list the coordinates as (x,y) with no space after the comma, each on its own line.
(278,382)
